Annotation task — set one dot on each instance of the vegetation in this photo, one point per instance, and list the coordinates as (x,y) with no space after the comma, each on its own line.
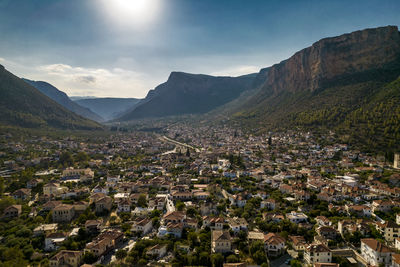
(23,105)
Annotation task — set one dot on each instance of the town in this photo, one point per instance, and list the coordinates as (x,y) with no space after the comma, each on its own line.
(197,196)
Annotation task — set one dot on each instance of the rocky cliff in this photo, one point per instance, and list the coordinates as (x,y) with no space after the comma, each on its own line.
(333,57)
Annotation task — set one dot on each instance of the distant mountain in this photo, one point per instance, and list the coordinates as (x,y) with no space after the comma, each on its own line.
(109,108)
(347,83)
(62,99)
(74,98)
(23,105)
(185,93)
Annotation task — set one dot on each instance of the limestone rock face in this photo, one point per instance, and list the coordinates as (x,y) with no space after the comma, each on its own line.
(333,57)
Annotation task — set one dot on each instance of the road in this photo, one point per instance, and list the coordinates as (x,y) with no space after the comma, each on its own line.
(170,204)
(110,256)
(179,143)
(280,262)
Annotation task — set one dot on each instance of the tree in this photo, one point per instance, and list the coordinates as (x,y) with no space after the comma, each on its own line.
(217,260)
(89,257)
(192,238)
(295,263)
(66,159)
(259,257)
(121,254)
(232,259)
(142,201)
(180,206)
(81,157)
(1,186)
(5,202)
(191,212)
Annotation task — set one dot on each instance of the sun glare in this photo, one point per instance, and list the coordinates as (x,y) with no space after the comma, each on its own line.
(137,14)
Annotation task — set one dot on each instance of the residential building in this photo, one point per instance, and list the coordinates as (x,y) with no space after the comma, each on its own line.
(12,211)
(375,253)
(23,194)
(53,241)
(317,253)
(221,241)
(157,251)
(103,204)
(63,213)
(298,242)
(65,258)
(296,217)
(274,244)
(143,226)
(390,230)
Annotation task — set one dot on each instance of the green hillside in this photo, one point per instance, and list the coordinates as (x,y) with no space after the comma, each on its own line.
(23,105)
(362,108)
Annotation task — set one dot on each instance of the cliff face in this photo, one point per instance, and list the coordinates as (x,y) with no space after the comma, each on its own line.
(330,58)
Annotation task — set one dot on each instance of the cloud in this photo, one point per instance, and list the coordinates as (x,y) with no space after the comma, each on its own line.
(81,81)
(56,68)
(237,71)
(87,79)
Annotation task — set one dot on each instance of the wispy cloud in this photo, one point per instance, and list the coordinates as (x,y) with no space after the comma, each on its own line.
(95,81)
(237,71)
(87,79)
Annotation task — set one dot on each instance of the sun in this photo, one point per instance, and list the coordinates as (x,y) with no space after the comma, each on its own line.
(132,13)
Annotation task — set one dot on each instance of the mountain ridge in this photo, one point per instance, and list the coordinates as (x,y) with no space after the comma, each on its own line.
(62,98)
(186,93)
(23,105)
(108,107)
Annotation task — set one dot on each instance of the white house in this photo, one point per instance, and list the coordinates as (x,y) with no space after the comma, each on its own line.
(124,206)
(143,226)
(296,217)
(375,253)
(53,241)
(158,251)
(317,253)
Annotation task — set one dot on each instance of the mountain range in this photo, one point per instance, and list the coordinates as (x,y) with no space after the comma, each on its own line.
(62,99)
(108,108)
(185,93)
(23,105)
(349,83)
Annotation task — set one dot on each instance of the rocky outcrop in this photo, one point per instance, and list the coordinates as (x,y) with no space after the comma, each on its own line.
(333,57)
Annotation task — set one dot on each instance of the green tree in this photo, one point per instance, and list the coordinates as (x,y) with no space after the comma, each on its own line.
(232,259)
(217,260)
(81,157)
(121,254)
(89,257)
(66,159)
(180,206)
(142,201)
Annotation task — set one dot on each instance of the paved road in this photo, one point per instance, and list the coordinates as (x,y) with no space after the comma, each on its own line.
(179,143)
(280,262)
(170,204)
(110,256)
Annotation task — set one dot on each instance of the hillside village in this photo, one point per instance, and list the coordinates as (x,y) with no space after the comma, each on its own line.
(197,197)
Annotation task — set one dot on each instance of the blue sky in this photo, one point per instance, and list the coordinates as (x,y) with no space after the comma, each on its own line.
(124,48)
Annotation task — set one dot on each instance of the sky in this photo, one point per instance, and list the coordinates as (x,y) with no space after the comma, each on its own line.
(124,48)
